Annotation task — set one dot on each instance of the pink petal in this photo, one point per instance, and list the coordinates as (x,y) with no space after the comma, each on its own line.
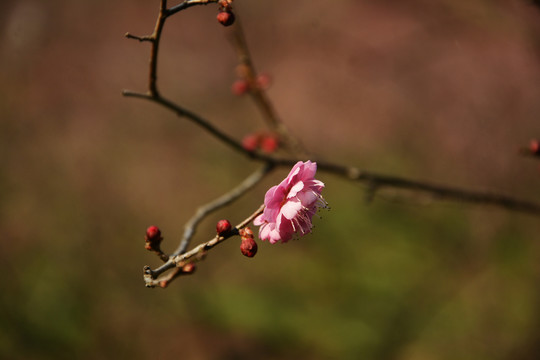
(291,208)
(270,197)
(315,183)
(291,178)
(307,198)
(309,171)
(295,189)
(295,169)
(258,220)
(274,236)
(286,230)
(264,232)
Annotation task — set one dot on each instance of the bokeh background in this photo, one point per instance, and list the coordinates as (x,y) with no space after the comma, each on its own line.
(443,91)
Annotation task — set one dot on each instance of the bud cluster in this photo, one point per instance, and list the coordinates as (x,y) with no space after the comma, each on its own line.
(242,85)
(268,142)
(248,247)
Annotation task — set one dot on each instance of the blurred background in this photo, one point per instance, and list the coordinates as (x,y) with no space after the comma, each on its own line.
(441,91)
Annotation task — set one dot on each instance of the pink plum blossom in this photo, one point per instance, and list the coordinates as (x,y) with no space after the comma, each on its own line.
(290,206)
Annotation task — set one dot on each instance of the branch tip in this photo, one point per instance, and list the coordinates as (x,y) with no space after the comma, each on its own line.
(140,38)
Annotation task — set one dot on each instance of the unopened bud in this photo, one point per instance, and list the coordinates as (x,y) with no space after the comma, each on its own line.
(223,227)
(269,144)
(534,147)
(240,87)
(189,268)
(153,233)
(152,238)
(248,247)
(263,81)
(225,18)
(250,142)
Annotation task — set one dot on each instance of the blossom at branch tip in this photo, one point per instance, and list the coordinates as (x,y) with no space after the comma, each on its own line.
(290,206)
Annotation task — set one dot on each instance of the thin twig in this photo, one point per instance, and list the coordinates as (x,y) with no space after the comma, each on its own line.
(154,51)
(220,202)
(244,58)
(378,181)
(186,4)
(180,111)
(259,95)
(196,254)
(140,38)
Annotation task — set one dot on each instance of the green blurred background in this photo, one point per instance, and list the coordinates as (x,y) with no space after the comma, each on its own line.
(442,91)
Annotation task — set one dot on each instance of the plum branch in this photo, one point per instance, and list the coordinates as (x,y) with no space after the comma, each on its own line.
(196,254)
(220,202)
(182,261)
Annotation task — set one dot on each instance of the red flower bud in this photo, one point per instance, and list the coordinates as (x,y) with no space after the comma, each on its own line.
(263,81)
(225,18)
(153,233)
(240,87)
(534,147)
(189,268)
(248,246)
(269,144)
(250,142)
(223,227)
(152,238)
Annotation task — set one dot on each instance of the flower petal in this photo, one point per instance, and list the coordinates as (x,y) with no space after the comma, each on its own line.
(291,208)
(271,198)
(295,189)
(264,232)
(258,220)
(309,170)
(307,198)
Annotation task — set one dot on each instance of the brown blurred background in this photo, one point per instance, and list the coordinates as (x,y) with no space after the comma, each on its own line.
(444,91)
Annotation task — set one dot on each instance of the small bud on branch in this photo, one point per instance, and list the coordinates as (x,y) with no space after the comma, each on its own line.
(240,87)
(534,147)
(189,268)
(223,227)
(153,240)
(269,143)
(248,247)
(225,18)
